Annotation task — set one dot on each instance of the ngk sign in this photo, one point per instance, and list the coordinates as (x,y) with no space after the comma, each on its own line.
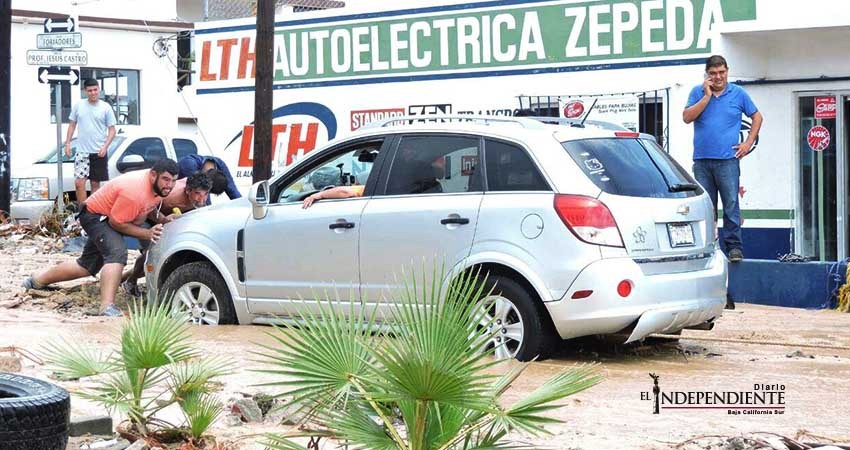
(818,138)
(825,107)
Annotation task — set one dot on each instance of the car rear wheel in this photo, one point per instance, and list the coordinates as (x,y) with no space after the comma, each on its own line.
(514,320)
(198,289)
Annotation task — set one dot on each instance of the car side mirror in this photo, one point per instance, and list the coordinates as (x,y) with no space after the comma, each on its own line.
(259,198)
(130,162)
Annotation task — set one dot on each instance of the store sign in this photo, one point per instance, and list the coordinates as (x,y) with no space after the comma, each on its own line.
(621,110)
(818,138)
(825,107)
(453,38)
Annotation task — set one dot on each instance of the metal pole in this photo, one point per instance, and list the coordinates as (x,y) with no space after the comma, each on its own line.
(60,152)
(5,107)
(264,60)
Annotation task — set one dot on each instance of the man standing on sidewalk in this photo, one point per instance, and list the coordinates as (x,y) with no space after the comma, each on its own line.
(715,108)
(96,121)
(108,215)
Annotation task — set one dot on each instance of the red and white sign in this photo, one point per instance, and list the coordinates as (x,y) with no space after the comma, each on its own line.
(818,138)
(574,109)
(825,107)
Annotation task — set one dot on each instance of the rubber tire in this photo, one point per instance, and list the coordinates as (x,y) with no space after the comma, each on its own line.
(34,414)
(206,273)
(537,334)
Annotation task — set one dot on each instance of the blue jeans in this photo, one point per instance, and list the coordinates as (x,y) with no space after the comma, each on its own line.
(723,176)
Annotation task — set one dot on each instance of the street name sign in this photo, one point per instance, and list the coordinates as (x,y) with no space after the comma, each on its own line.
(57,41)
(58,26)
(57,58)
(54,75)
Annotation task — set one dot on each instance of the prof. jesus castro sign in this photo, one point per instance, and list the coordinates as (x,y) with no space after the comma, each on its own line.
(514,35)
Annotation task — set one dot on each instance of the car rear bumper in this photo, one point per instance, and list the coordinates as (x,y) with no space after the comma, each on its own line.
(658,303)
(30,211)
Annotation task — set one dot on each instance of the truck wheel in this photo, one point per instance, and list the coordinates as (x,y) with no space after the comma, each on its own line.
(198,289)
(34,414)
(515,320)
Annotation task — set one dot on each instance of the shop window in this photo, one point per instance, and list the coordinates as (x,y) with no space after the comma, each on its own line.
(119,88)
(66,102)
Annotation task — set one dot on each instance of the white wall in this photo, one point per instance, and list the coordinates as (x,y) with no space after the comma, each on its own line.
(32,132)
(159,10)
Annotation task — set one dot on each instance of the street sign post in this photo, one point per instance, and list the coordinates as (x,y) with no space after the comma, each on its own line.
(58,41)
(57,57)
(54,75)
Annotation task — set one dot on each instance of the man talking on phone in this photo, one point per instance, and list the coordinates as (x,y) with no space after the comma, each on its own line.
(715,108)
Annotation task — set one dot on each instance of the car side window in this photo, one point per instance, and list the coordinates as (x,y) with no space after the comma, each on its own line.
(435,164)
(509,168)
(183,147)
(349,168)
(150,149)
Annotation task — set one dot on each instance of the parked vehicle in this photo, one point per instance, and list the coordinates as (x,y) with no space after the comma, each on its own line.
(35,189)
(580,230)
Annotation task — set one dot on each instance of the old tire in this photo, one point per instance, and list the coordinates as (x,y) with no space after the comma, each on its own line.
(34,414)
(199,288)
(519,322)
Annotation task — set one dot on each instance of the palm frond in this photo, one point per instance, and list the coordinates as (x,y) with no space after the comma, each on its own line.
(193,376)
(360,429)
(153,337)
(71,361)
(201,410)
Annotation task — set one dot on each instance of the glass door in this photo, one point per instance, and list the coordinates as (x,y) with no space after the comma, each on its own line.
(819,174)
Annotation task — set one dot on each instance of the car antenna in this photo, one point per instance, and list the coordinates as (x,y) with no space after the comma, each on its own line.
(581,124)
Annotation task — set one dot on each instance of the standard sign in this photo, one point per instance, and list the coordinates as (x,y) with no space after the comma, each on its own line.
(57,58)
(57,41)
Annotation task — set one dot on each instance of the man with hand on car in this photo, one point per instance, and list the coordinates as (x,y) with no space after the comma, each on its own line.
(215,168)
(188,194)
(114,211)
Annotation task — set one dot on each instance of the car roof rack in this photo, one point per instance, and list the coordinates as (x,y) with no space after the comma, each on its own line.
(525,122)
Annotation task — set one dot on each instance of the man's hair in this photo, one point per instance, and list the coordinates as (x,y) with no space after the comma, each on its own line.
(89,82)
(165,165)
(715,61)
(219,181)
(198,181)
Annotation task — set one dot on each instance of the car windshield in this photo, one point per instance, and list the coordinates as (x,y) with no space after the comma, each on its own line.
(632,167)
(50,156)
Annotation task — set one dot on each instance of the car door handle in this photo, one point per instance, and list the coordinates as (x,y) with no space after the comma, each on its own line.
(337,225)
(455,221)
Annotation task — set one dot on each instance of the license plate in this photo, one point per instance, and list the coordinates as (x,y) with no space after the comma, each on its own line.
(681,234)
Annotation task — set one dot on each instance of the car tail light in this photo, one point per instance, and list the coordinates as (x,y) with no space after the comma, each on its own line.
(624,288)
(589,219)
(627,134)
(578,295)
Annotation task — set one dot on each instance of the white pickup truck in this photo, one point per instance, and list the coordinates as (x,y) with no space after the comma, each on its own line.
(35,190)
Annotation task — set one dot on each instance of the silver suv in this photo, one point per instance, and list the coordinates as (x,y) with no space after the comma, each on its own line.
(582,230)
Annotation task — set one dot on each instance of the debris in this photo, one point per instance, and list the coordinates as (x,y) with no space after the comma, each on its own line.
(799,354)
(97,425)
(111,444)
(246,408)
(232,420)
(139,445)
(10,364)
(12,303)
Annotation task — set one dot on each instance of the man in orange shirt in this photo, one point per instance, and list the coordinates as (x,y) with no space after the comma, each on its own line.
(114,211)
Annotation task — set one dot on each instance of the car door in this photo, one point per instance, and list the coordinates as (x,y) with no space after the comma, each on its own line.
(425,215)
(309,254)
(149,149)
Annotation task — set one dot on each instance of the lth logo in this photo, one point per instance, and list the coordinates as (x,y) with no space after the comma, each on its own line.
(656,391)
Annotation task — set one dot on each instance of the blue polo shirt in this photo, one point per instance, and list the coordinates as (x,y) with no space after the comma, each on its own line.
(716,129)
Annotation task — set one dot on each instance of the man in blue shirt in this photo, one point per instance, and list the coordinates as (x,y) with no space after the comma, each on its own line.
(215,168)
(715,108)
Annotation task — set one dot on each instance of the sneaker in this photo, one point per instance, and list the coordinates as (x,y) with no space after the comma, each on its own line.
(112,311)
(131,288)
(736,255)
(30,283)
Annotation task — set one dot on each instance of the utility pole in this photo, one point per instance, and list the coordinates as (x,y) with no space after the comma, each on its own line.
(263,91)
(5,106)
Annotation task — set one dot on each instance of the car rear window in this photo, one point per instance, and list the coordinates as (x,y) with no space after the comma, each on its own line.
(631,167)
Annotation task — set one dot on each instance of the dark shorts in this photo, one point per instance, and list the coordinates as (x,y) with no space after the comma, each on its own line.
(98,170)
(104,245)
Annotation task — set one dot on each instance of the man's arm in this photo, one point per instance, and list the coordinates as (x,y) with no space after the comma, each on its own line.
(71,127)
(336,192)
(692,112)
(743,149)
(110,135)
(130,229)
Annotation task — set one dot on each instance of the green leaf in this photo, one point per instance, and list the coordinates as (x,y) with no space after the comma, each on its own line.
(71,361)
(193,376)
(200,410)
(154,337)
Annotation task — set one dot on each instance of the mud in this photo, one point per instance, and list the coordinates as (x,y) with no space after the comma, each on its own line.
(611,415)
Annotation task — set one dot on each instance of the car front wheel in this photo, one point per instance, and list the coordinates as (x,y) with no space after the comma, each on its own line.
(198,289)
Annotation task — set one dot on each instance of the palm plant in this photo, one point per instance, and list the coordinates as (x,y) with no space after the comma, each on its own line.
(425,381)
(153,368)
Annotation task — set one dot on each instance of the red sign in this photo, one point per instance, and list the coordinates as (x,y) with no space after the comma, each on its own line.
(825,107)
(574,109)
(818,138)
